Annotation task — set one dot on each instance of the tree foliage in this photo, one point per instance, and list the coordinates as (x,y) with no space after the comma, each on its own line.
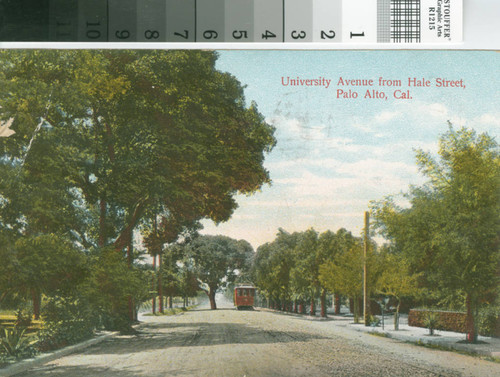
(396,280)
(217,260)
(105,141)
(451,231)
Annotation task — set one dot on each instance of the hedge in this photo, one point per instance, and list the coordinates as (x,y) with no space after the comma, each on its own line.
(447,321)
(488,322)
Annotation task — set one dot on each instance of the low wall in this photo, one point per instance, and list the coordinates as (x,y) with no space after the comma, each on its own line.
(447,321)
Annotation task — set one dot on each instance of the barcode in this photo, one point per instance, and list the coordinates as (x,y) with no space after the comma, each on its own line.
(398,21)
(405,21)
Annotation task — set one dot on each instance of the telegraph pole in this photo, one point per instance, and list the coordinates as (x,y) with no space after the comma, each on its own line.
(365,272)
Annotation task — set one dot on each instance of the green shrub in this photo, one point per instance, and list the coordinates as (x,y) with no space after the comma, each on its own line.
(373,321)
(488,321)
(23,318)
(431,321)
(14,343)
(57,335)
(66,321)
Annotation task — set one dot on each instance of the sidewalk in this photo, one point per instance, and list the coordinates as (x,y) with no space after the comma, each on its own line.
(456,341)
(446,339)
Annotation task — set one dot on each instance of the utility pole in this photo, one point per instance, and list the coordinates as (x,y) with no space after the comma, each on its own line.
(365,272)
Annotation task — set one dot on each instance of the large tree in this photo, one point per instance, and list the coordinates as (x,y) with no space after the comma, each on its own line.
(344,275)
(104,139)
(217,260)
(451,231)
(137,128)
(343,272)
(304,274)
(272,268)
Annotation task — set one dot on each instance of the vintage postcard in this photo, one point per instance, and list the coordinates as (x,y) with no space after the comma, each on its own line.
(147,197)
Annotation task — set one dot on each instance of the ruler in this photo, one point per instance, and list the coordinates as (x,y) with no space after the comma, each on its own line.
(232,21)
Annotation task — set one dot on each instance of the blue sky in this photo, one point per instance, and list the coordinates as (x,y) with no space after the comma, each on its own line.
(335,155)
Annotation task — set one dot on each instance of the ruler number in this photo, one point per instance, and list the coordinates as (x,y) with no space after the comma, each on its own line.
(210,34)
(185,35)
(330,34)
(357,34)
(124,34)
(151,34)
(93,34)
(296,35)
(268,34)
(238,34)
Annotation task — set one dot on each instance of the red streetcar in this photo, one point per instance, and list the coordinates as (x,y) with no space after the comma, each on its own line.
(244,297)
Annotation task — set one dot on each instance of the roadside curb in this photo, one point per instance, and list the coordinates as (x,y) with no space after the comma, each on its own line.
(444,343)
(24,365)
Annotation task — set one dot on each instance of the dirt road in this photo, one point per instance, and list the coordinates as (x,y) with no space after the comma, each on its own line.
(235,343)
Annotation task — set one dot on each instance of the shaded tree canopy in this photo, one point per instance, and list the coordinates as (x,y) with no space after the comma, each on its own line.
(106,141)
(122,131)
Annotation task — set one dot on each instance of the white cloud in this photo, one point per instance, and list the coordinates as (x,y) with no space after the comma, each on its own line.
(489,119)
(244,217)
(360,185)
(437,110)
(365,125)
(303,203)
(293,128)
(342,214)
(371,168)
(458,121)
(362,127)
(386,116)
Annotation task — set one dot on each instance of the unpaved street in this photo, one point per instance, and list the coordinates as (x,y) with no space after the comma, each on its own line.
(234,343)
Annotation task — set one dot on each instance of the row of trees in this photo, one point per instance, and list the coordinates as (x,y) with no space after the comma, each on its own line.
(442,250)
(287,269)
(109,145)
(303,266)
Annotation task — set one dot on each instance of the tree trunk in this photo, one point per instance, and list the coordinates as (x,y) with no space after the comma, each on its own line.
(170,302)
(102,223)
(312,308)
(337,304)
(131,222)
(130,299)
(3,295)
(153,287)
(160,287)
(211,297)
(356,310)
(36,299)
(295,307)
(323,303)
(470,325)
(396,316)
